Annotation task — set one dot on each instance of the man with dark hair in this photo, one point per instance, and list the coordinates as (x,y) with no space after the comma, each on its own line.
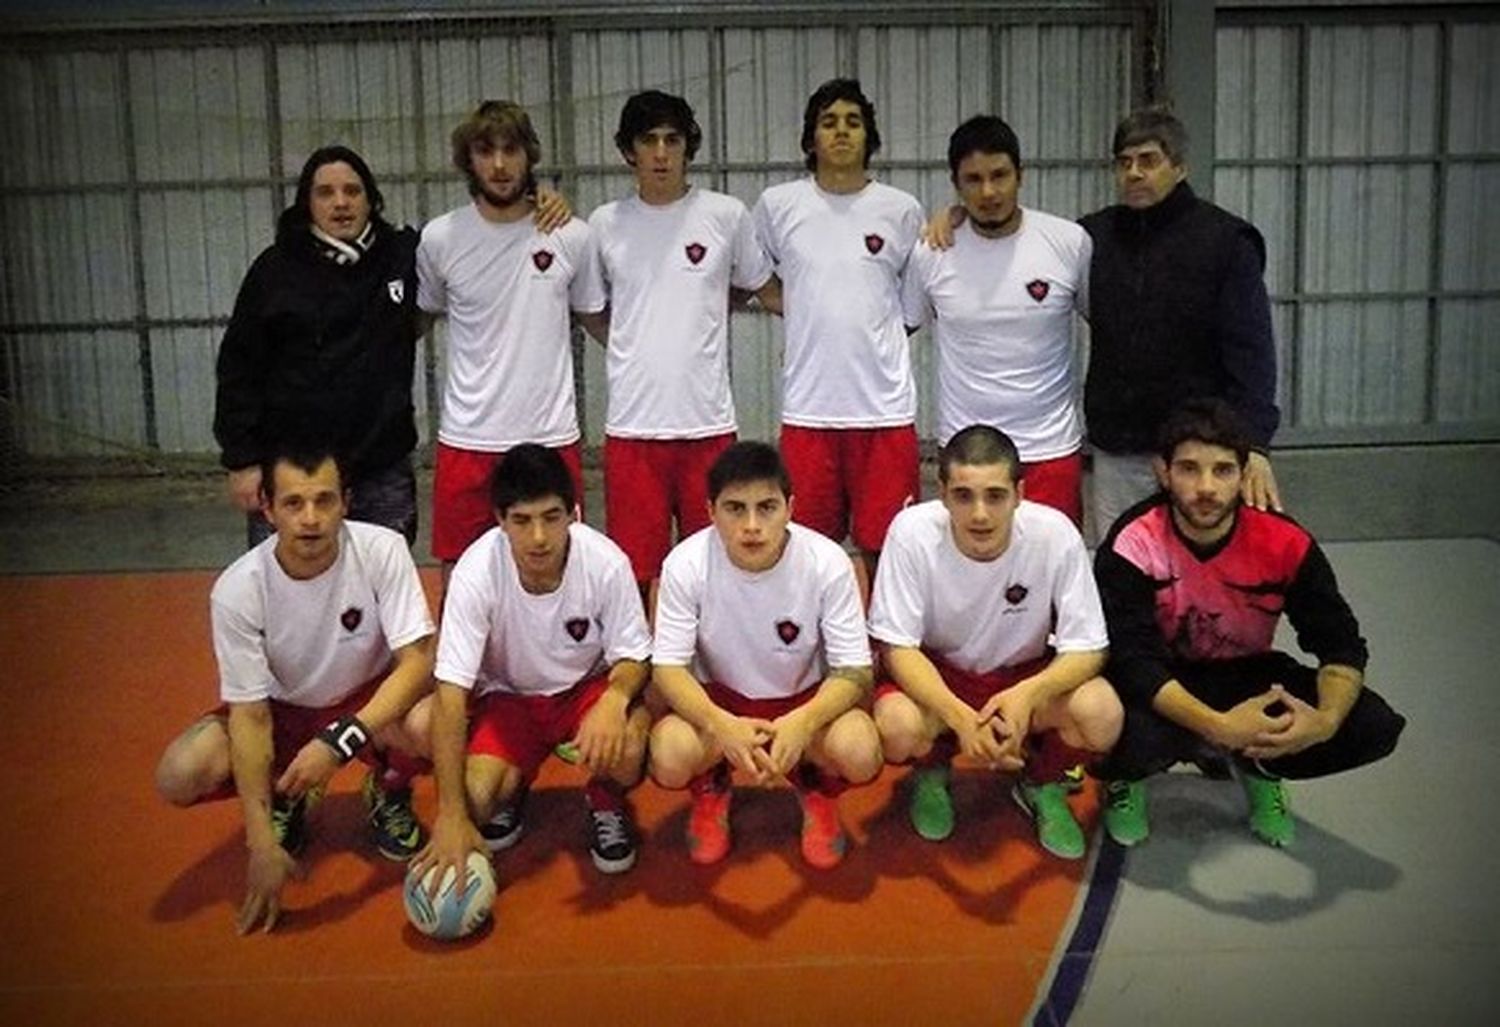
(1001,303)
(322,344)
(1194,581)
(506,275)
(544,645)
(761,652)
(1177,309)
(667,257)
(994,641)
(840,242)
(324,645)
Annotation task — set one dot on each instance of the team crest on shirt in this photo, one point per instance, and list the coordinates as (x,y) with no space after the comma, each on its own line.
(1038,288)
(577,628)
(787,631)
(1015,594)
(695,251)
(542,259)
(874,243)
(351,617)
(397,288)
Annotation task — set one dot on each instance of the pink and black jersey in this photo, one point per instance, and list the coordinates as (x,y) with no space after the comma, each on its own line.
(1169,602)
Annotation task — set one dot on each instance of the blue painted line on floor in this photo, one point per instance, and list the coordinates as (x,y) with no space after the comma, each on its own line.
(1073,969)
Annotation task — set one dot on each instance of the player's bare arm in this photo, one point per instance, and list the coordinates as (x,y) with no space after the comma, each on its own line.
(938,232)
(839,692)
(1016,707)
(978,739)
(1338,687)
(603,730)
(552,210)
(268,865)
(244,488)
(1259,488)
(741,739)
(454,835)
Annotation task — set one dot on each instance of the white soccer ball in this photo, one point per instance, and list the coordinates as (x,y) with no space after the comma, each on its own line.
(447,915)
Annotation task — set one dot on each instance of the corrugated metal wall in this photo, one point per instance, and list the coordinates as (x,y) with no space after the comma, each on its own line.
(144,172)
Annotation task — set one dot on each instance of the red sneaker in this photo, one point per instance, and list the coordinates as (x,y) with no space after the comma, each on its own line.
(823,839)
(708,837)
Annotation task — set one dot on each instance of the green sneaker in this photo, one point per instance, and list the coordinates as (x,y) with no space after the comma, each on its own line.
(1125,812)
(393,825)
(931,807)
(1270,811)
(1047,806)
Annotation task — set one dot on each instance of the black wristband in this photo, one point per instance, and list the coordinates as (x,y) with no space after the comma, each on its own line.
(345,736)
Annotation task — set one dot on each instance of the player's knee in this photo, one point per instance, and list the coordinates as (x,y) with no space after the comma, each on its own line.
(853,746)
(675,752)
(899,723)
(416,730)
(1097,715)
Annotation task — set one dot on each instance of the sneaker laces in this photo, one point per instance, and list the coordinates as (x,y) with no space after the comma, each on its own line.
(396,815)
(1121,797)
(609,825)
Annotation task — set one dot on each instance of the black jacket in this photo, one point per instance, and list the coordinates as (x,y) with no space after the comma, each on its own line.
(322,352)
(1177,309)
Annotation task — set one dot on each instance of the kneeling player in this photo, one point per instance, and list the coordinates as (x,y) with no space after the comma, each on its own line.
(544,641)
(324,645)
(968,590)
(761,652)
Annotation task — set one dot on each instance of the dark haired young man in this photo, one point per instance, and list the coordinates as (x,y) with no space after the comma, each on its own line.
(761,652)
(324,645)
(994,639)
(667,257)
(506,275)
(544,642)
(1194,581)
(322,344)
(840,242)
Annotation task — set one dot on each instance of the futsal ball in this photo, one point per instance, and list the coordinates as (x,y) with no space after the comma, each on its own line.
(448,915)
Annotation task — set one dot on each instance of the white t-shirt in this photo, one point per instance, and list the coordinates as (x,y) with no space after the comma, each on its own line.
(507,290)
(1004,330)
(499,637)
(766,635)
(314,642)
(841,257)
(979,616)
(665,272)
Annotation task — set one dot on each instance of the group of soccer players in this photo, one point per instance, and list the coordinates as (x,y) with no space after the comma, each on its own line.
(971,624)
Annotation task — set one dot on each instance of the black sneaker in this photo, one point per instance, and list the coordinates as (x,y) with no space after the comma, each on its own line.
(393,826)
(289,823)
(505,828)
(613,844)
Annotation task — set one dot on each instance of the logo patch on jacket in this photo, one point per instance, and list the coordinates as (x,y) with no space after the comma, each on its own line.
(1015,593)
(578,628)
(351,618)
(542,259)
(874,243)
(397,288)
(787,631)
(696,251)
(1038,288)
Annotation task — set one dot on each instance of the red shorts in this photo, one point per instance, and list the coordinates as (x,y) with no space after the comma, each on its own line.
(1059,484)
(461,510)
(649,481)
(729,700)
(851,481)
(974,689)
(522,730)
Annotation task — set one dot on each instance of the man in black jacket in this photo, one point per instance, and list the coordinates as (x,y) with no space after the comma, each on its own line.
(321,346)
(1177,309)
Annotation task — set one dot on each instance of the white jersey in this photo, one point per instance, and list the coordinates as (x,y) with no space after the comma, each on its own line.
(313,642)
(507,290)
(766,635)
(1002,313)
(841,257)
(665,272)
(499,637)
(979,616)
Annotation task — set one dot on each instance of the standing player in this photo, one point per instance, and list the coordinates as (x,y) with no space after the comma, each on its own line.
(968,593)
(506,283)
(322,343)
(840,243)
(761,652)
(1194,581)
(544,642)
(667,258)
(1001,301)
(324,645)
